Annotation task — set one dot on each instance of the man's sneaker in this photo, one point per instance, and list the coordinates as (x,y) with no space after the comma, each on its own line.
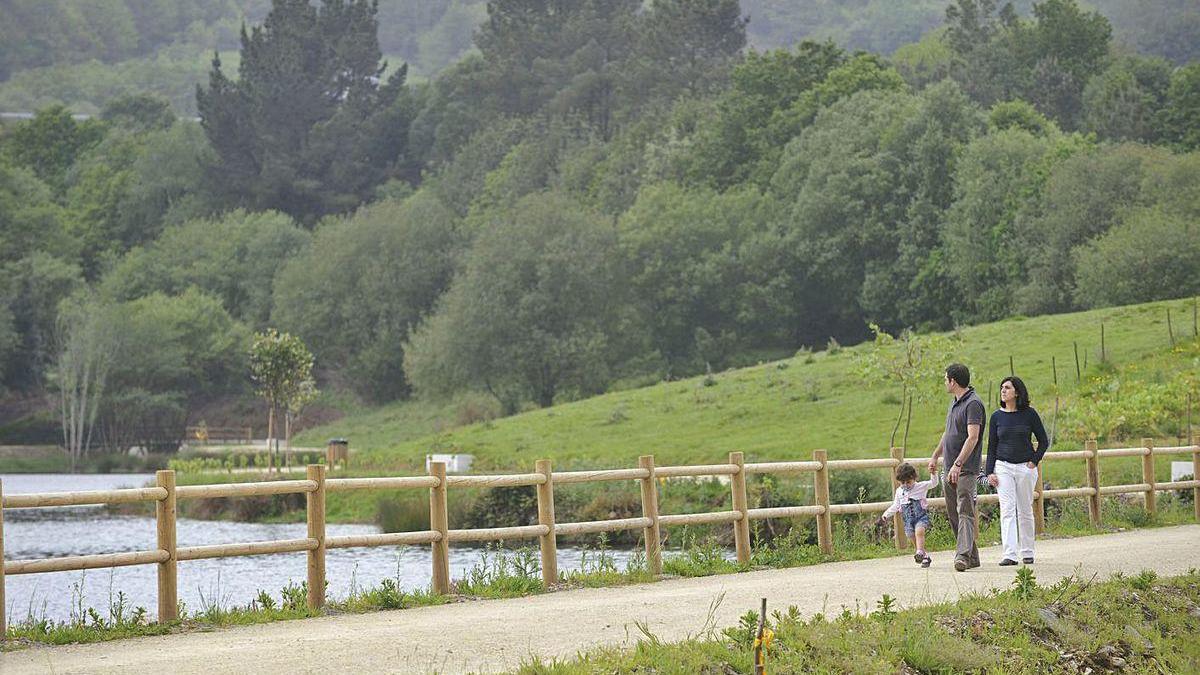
(960,564)
(1008,562)
(1027,561)
(919,556)
(926,562)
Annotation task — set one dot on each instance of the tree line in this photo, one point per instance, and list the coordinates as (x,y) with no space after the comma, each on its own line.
(603,192)
(86,54)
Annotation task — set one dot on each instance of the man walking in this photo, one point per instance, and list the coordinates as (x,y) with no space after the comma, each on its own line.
(960,444)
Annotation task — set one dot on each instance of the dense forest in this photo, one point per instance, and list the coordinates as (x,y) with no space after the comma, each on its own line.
(574,194)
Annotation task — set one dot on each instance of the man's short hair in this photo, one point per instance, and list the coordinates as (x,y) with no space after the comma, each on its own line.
(905,472)
(959,373)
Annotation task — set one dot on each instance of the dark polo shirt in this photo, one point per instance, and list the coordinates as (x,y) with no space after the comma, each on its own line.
(968,409)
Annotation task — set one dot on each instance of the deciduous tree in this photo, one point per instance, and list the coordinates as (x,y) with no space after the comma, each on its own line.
(281,368)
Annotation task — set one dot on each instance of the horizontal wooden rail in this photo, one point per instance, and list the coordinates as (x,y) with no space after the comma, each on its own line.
(1069,492)
(865,507)
(385,539)
(384,483)
(498,533)
(696,470)
(1178,484)
(561,477)
(594,526)
(1177,450)
(785,512)
(513,480)
(1123,452)
(989,498)
(884,463)
(45,499)
(700,518)
(1068,454)
(245,548)
(1124,489)
(261,489)
(84,562)
(783,467)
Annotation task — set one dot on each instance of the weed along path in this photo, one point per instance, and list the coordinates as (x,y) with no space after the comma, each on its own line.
(495,635)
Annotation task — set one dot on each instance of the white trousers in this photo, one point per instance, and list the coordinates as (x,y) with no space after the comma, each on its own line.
(1017,482)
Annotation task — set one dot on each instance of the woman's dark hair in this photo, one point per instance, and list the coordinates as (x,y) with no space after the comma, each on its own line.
(905,472)
(1022,392)
(959,373)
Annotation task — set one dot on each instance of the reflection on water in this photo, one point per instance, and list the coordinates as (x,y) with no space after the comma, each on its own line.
(47,533)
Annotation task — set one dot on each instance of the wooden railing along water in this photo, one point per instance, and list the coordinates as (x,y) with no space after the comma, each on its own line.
(165,495)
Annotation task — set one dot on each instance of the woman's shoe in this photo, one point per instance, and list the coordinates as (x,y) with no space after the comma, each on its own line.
(918,556)
(1027,561)
(1008,562)
(926,562)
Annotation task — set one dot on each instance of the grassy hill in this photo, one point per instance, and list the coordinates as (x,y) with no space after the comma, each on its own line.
(785,409)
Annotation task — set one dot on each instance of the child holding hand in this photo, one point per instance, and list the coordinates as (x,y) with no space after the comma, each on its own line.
(911,502)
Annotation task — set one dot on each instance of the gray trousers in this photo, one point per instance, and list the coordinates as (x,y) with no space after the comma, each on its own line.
(960,512)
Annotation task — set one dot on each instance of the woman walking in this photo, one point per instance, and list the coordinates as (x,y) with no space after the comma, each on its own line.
(1012,463)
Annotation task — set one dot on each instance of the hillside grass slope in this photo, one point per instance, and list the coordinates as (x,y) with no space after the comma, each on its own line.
(784,409)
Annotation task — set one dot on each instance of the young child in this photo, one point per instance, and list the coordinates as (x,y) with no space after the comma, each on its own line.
(912,503)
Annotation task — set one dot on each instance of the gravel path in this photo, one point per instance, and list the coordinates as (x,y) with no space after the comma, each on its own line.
(495,635)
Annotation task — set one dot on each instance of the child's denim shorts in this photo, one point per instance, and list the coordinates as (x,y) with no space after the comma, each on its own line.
(914,514)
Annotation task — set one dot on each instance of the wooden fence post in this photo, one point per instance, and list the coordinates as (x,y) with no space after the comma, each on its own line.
(439,521)
(1148,475)
(1103,350)
(3,607)
(741,527)
(545,500)
(315,501)
(165,515)
(1093,481)
(1195,493)
(1076,346)
(1195,448)
(650,510)
(897,519)
(1039,504)
(821,495)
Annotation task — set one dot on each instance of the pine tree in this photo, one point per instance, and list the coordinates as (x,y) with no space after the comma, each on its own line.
(309,127)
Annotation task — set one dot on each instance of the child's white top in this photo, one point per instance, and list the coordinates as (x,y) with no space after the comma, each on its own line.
(917,493)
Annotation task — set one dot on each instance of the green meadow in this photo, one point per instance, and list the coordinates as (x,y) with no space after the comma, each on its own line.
(785,409)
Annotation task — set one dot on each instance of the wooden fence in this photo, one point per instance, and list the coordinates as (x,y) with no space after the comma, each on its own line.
(168,554)
(204,435)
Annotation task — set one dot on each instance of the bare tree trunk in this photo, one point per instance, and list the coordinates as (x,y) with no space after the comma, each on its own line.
(896,427)
(287,437)
(84,357)
(270,437)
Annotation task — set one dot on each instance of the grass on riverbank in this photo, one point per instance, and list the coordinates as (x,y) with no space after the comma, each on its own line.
(1138,623)
(53,459)
(502,573)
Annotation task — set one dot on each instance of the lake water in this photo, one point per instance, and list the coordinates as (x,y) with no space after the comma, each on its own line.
(53,532)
